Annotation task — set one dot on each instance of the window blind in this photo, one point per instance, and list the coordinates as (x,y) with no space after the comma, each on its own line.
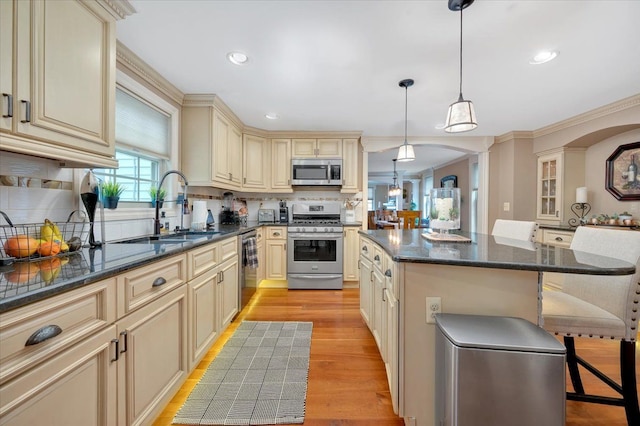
(141,127)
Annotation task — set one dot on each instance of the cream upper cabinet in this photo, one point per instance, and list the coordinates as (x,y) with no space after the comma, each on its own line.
(559,174)
(320,148)
(211,144)
(6,65)
(255,152)
(281,165)
(350,169)
(63,105)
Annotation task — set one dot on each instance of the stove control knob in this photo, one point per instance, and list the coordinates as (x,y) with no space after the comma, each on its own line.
(315,229)
(328,230)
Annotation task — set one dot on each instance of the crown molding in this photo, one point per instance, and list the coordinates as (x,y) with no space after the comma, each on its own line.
(621,105)
(211,100)
(129,60)
(120,9)
(516,134)
(310,134)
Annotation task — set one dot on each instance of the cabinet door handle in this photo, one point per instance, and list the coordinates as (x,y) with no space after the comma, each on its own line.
(244,181)
(44,333)
(27,111)
(123,335)
(358,263)
(219,277)
(117,351)
(371,276)
(159,281)
(383,290)
(9,105)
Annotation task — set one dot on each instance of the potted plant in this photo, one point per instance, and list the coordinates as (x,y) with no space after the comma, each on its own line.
(110,193)
(613,220)
(157,197)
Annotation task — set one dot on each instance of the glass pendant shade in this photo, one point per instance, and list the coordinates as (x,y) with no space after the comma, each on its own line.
(405,153)
(461,117)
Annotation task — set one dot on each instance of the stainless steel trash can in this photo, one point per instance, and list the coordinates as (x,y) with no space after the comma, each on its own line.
(497,371)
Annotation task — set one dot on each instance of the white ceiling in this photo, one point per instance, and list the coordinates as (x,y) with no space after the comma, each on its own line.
(335,65)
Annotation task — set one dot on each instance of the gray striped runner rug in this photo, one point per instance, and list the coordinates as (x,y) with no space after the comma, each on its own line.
(258,378)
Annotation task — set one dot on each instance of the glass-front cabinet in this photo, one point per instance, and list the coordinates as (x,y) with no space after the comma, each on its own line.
(560,172)
(549,186)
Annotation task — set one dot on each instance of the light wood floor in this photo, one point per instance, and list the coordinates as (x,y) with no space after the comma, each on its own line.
(347,383)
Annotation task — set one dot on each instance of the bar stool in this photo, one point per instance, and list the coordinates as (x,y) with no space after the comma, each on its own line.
(600,306)
(515,229)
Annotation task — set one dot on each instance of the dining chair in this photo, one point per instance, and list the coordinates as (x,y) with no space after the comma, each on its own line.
(600,306)
(515,229)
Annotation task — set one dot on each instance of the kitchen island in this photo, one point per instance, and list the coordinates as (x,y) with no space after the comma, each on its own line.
(486,276)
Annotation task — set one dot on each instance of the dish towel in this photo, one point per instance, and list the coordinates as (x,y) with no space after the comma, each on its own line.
(250,253)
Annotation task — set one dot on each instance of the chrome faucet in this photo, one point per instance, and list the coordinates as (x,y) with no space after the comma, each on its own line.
(156,224)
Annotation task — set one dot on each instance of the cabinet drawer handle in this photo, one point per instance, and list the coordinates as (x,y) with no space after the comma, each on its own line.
(387,273)
(9,105)
(376,258)
(558,238)
(364,248)
(159,281)
(123,335)
(27,111)
(42,334)
(117,351)
(276,234)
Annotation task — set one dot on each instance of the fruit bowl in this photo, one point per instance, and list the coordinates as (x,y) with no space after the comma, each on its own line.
(41,240)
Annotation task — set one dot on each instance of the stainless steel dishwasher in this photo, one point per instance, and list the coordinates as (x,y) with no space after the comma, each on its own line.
(246,276)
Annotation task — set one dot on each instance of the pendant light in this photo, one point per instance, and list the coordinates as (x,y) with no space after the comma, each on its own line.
(395,190)
(405,153)
(461,116)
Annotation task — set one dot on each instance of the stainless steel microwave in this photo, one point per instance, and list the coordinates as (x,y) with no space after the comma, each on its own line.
(316,171)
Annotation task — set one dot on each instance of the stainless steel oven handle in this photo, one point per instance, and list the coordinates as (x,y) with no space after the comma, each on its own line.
(316,236)
(316,276)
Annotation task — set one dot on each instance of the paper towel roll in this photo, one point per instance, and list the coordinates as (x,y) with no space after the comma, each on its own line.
(199,217)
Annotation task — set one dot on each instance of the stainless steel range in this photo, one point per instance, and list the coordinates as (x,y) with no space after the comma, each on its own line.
(315,244)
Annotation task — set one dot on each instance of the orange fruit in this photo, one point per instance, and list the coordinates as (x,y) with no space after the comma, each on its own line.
(22,272)
(48,248)
(20,246)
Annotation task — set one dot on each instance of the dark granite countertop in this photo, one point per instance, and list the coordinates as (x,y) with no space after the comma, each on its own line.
(22,283)
(486,251)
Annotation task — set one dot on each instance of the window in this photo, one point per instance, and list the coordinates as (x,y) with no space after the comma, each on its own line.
(146,140)
(369,198)
(137,173)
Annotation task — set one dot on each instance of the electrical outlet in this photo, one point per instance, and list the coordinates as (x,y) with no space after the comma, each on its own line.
(434,306)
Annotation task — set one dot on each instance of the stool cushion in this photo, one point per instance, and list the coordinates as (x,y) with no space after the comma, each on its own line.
(568,315)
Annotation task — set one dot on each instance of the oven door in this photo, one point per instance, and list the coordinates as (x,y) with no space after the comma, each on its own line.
(314,253)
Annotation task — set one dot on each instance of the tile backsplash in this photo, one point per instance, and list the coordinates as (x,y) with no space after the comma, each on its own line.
(32,189)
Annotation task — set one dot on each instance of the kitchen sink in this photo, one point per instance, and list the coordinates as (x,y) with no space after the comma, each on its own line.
(171,238)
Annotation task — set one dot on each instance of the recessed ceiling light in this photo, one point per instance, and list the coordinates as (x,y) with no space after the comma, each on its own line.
(543,57)
(272,116)
(237,58)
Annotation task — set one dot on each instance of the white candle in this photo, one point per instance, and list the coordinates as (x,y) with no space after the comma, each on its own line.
(581,194)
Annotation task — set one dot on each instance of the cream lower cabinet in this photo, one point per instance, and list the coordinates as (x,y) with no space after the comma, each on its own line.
(206,294)
(379,308)
(75,387)
(227,293)
(262,267)
(276,252)
(350,254)
(366,281)
(64,101)
(204,327)
(152,362)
